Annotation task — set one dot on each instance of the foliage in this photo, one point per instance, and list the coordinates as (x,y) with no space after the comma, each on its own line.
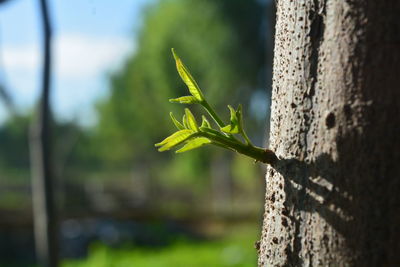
(129,124)
(235,250)
(14,143)
(226,54)
(220,39)
(132,117)
(194,136)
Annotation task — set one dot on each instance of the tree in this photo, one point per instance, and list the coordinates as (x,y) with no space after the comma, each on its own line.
(333,197)
(44,219)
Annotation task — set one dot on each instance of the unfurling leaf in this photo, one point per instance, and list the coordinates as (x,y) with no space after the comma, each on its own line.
(239,116)
(191,121)
(187,78)
(184,121)
(232,128)
(194,143)
(204,122)
(184,100)
(175,139)
(176,122)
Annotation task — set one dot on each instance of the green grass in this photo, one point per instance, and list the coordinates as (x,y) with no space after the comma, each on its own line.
(237,249)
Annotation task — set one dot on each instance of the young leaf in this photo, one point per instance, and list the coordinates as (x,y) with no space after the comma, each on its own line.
(184,100)
(175,139)
(240,117)
(193,136)
(176,122)
(191,121)
(240,124)
(204,122)
(184,121)
(187,78)
(195,143)
(232,128)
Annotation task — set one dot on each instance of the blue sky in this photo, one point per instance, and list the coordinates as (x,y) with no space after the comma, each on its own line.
(91,40)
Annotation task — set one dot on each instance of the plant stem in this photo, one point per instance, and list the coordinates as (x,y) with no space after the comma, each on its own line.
(212,113)
(257,153)
(243,133)
(217,119)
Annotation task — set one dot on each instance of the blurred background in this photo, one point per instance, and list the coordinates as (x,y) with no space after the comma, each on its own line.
(118,201)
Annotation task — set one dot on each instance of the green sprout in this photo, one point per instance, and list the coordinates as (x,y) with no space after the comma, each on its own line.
(192,135)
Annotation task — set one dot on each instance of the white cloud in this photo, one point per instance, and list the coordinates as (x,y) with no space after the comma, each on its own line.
(79,56)
(20,58)
(74,56)
(79,65)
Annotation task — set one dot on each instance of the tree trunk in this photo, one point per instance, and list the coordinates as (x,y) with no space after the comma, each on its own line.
(333,197)
(44,214)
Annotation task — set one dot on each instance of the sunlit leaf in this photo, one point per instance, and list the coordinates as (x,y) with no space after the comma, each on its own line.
(191,121)
(234,118)
(195,143)
(174,136)
(175,139)
(239,117)
(176,122)
(204,122)
(184,121)
(232,128)
(187,78)
(184,100)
